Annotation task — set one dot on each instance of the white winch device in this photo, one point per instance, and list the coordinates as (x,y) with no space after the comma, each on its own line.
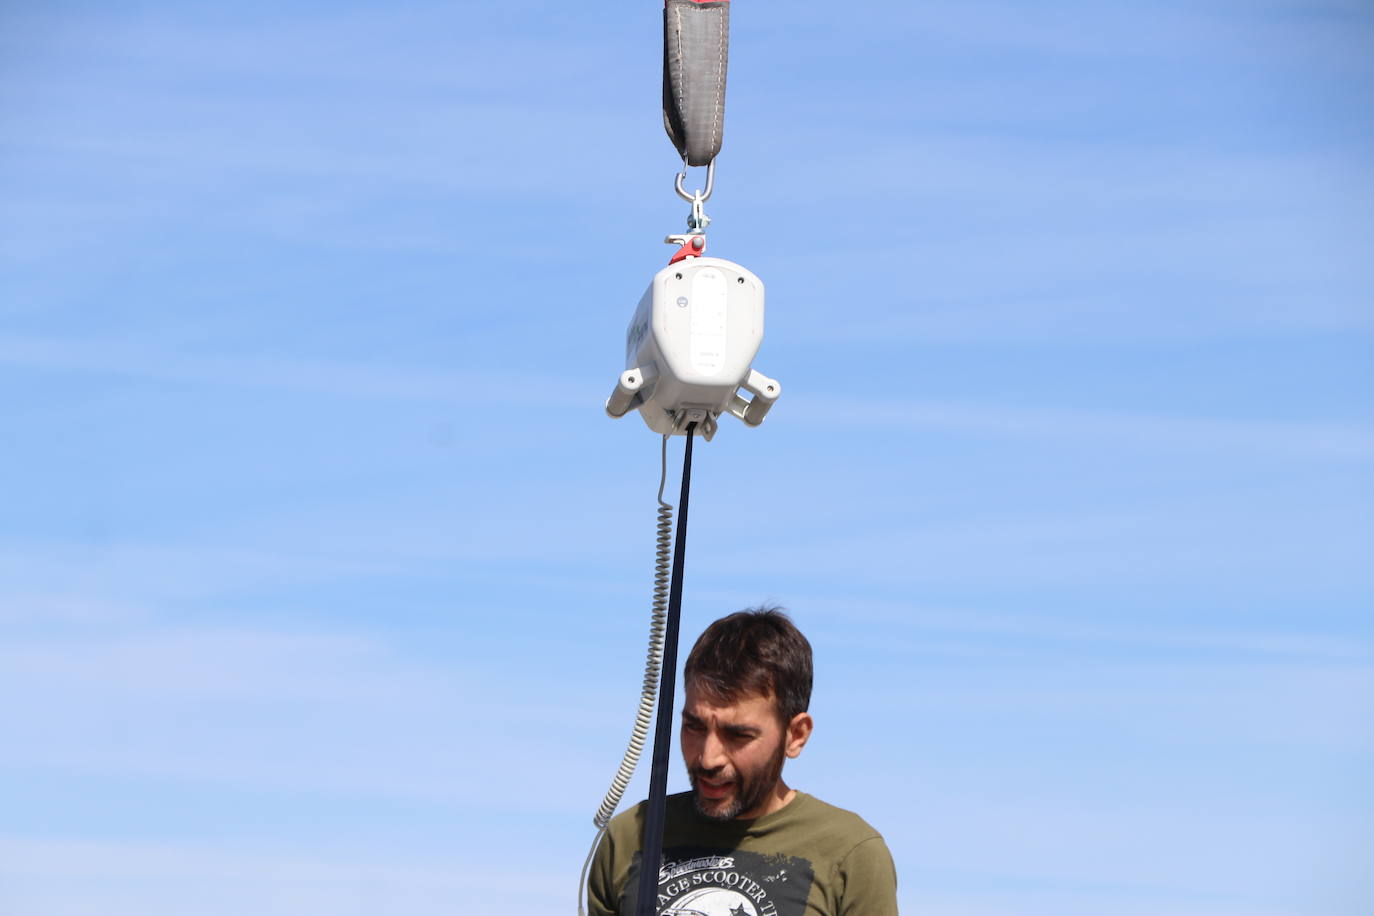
(690,345)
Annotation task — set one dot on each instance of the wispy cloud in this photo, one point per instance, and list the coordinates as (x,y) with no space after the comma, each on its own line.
(1099,33)
(346,380)
(344,713)
(63,577)
(1330,441)
(1288,439)
(1032,629)
(1063,858)
(70,877)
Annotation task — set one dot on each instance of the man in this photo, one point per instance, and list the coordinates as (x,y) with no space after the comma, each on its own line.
(742,842)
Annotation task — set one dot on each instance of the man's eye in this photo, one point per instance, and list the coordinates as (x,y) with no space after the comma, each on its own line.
(694,726)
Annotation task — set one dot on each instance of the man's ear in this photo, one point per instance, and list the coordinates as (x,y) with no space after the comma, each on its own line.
(798,732)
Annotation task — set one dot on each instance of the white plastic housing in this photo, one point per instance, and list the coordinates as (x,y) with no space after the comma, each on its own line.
(689,347)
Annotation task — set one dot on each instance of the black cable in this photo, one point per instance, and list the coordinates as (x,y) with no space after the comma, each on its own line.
(652,844)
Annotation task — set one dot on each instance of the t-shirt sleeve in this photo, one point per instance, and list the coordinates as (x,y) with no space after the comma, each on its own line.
(870,880)
(601,881)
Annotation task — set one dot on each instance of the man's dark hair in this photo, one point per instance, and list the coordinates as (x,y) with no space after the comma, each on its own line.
(755,651)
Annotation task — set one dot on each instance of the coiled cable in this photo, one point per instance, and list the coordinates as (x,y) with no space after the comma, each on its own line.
(653,666)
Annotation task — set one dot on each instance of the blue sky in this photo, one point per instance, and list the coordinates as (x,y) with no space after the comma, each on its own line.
(324,579)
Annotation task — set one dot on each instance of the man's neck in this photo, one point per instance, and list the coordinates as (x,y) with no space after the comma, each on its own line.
(776,800)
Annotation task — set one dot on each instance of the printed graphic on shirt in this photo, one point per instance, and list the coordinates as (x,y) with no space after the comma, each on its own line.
(703,882)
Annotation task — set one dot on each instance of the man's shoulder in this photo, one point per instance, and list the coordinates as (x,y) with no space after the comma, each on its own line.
(675,801)
(843,824)
(631,820)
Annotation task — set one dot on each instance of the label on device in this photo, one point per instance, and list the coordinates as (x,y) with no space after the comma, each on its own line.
(706,343)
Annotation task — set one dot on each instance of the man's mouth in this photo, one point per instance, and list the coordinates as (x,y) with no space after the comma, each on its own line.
(714,788)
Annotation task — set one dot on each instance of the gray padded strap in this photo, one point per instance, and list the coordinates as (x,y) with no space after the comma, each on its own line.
(696,39)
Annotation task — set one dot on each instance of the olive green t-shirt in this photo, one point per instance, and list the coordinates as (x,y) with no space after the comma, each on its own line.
(806,859)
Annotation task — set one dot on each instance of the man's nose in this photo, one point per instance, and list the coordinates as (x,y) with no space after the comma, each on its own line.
(712,752)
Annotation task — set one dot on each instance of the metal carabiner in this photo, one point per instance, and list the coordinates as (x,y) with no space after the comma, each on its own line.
(699,195)
(698,221)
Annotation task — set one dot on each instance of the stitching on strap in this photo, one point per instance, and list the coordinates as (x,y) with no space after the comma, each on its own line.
(681,78)
(720,79)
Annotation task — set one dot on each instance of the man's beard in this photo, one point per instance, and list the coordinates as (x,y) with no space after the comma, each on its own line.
(751,789)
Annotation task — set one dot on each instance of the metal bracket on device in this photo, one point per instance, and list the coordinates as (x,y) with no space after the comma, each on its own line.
(706,424)
(765,391)
(629,392)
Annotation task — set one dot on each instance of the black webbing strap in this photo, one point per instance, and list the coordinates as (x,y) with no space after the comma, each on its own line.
(696,45)
(652,843)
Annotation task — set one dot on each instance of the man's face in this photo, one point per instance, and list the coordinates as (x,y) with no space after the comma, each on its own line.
(734,754)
